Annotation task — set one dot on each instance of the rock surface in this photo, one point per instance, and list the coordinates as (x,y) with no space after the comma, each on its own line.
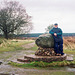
(0,62)
(69,58)
(45,58)
(45,52)
(45,41)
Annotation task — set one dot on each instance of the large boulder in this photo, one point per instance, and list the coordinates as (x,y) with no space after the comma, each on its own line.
(45,41)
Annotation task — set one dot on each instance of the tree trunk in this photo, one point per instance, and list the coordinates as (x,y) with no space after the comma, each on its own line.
(6,34)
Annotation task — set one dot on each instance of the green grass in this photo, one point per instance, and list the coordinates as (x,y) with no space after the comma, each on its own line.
(34,48)
(69,51)
(44,64)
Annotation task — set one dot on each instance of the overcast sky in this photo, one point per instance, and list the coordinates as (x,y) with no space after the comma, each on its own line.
(46,12)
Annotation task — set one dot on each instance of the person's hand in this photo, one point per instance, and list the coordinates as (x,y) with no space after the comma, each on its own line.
(55,34)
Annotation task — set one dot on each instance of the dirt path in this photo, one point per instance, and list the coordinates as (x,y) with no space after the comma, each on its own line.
(29,45)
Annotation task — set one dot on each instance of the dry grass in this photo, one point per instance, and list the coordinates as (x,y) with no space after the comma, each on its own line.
(69,43)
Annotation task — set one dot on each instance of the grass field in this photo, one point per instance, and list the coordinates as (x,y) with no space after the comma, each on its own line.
(12,45)
(69,48)
(15,44)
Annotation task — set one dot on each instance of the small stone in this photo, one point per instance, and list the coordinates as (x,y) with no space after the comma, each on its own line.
(0,62)
(48,54)
(43,50)
(40,48)
(69,58)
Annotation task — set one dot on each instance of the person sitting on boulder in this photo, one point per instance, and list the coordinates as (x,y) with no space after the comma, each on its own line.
(58,40)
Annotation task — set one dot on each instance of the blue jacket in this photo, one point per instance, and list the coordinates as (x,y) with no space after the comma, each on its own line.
(58,31)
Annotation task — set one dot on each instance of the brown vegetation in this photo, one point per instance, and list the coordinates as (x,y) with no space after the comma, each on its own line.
(69,42)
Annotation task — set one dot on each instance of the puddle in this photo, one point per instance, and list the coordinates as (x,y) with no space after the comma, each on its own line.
(71,69)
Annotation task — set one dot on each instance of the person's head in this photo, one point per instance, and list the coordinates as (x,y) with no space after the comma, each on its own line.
(55,25)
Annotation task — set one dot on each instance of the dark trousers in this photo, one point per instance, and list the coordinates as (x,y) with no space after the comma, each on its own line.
(58,47)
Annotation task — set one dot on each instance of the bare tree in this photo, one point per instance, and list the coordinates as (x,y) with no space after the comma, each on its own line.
(49,28)
(13,18)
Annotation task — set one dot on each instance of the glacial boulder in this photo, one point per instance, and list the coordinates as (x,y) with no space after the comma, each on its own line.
(45,41)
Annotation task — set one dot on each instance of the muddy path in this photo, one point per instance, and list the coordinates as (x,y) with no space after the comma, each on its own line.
(9,56)
(11,70)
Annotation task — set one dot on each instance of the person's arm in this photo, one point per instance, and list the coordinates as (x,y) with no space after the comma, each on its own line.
(51,31)
(60,33)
